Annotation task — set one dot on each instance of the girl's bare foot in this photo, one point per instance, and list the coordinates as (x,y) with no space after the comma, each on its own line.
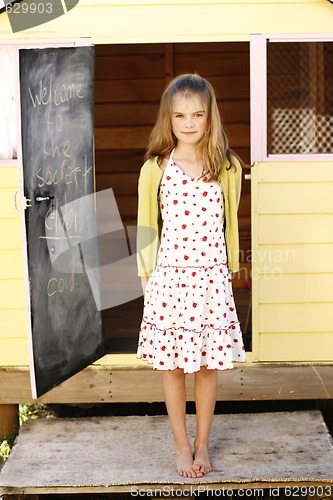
(184,463)
(201,460)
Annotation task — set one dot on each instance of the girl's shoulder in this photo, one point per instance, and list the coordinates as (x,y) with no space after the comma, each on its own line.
(232,166)
(162,162)
(149,165)
(150,172)
(155,164)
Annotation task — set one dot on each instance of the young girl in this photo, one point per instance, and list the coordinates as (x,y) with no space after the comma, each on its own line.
(189,191)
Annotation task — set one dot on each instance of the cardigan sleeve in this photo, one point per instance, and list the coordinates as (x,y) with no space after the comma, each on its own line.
(234,191)
(238,180)
(147,228)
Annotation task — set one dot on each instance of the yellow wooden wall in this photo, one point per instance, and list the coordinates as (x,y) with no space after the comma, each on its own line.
(138,21)
(292,246)
(13,336)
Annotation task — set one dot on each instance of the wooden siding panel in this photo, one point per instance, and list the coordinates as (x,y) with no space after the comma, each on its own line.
(12,296)
(11,264)
(290,347)
(14,352)
(298,319)
(128,66)
(295,288)
(127,206)
(13,323)
(292,261)
(135,90)
(214,63)
(296,258)
(8,187)
(235,110)
(122,137)
(231,87)
(121,114)
(7,204)
(8,176)
(120,160)
(130,49)
(296,172)
(122,185)
(12,293)
(10,229)
(301,228)
(198,47)
(292,198)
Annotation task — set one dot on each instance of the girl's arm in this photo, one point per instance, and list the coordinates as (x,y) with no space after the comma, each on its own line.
(144,281)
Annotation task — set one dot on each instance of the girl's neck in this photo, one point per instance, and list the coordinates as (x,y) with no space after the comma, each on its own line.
(187,152)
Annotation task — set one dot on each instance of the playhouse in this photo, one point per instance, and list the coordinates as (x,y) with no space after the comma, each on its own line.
(271,66)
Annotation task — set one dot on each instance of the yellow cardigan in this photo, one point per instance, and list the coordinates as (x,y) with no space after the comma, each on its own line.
(149,222)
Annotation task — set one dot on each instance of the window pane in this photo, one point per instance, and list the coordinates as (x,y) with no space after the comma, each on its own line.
(8,109)
(299,97)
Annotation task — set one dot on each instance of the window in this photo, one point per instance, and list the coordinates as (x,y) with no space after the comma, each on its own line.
(291,97)
(8,104)
(300,98)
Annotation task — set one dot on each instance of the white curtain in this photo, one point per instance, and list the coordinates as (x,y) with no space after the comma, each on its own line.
(8,104)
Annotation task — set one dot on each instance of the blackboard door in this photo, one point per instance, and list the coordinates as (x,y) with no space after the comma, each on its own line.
(57,97)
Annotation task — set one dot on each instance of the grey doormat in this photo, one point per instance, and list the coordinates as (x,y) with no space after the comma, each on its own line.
(108,451)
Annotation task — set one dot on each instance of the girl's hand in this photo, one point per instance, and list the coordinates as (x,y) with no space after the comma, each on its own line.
(231,274)
(144,282)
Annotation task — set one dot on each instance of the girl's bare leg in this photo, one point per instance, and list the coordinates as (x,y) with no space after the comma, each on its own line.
(205,398)
(175,400)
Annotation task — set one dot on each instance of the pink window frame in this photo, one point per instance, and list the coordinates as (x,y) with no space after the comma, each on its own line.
(258,83)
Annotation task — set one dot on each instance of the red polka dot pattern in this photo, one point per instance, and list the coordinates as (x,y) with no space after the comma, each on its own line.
(189,317)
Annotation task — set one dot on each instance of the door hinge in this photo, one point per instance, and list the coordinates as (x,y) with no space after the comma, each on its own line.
(27,202)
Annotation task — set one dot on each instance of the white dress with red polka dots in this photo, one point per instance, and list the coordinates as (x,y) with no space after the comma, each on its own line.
(189,316)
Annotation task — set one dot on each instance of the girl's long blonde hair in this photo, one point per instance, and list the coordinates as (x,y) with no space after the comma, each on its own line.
(213,147)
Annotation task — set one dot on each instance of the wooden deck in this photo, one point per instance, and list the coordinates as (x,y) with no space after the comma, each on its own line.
(135,454)
(128,382)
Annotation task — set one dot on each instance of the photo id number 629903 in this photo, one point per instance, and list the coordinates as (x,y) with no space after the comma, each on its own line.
(29,8)
(322,491)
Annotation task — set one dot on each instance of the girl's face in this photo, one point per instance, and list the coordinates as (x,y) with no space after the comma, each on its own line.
(188,118)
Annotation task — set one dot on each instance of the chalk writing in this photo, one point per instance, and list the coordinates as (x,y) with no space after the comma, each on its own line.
(56,221)
(60,285)
(58,95)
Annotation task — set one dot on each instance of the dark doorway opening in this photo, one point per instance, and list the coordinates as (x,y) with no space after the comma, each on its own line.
(129,81)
